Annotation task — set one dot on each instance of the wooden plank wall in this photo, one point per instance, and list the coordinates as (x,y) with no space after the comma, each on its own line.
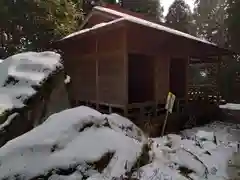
(149,41)
(162,47)
(143,40)
(96,66)
(111,67)
(80,63)
(162,74)
(85,88)
(111,78)
(98,63)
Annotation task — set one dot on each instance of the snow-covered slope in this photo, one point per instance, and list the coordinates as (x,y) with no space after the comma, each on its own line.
(208,152)
(19,74)
(81,143)
(76,138)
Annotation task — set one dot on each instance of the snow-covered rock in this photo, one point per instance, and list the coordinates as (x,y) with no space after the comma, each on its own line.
(31,85)
(124,125)
(20,73)
(74,139)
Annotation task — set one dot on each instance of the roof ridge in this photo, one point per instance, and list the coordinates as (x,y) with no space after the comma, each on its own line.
(144,22)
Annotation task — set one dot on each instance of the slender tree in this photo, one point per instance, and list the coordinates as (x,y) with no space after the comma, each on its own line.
(233,24)
(231,73)
(218,22)
(179,16)
(209,17)
(152,8)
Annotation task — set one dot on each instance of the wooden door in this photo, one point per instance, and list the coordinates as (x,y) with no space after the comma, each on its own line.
(141,78)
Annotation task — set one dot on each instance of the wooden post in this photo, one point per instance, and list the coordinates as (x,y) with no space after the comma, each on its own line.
(165,123)
(97,74)
(156,85)
(171,98)
(125,70)
(219,59)
(187,79)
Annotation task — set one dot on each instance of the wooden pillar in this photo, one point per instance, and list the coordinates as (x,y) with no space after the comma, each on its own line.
(156,84)
(219,60)
(125,71)
(97,73)
(187,79)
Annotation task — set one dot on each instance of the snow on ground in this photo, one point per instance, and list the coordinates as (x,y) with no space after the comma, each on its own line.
(121,124)
(20,72)
(73,138)
(82,143)
(208,152)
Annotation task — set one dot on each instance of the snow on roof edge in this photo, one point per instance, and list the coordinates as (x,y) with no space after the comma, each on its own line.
(230,106)
(92,28)
(151,24)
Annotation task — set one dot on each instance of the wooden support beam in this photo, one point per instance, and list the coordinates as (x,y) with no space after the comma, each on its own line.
(218,78)
(201,60)
(97,74)
(187,78)
(125,70)
(155,84)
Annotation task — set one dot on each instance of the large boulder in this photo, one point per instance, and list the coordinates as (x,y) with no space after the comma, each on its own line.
(78,142)
(31,88)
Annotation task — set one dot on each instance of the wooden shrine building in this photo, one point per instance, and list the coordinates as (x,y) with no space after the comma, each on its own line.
(119,61)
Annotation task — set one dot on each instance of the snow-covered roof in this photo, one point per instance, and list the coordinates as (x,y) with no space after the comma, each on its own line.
(150,24)
(140,21)
(230,106)
(92,28)
(20,73)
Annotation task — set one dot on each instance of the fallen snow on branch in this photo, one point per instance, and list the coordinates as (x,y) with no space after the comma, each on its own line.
(8,121)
